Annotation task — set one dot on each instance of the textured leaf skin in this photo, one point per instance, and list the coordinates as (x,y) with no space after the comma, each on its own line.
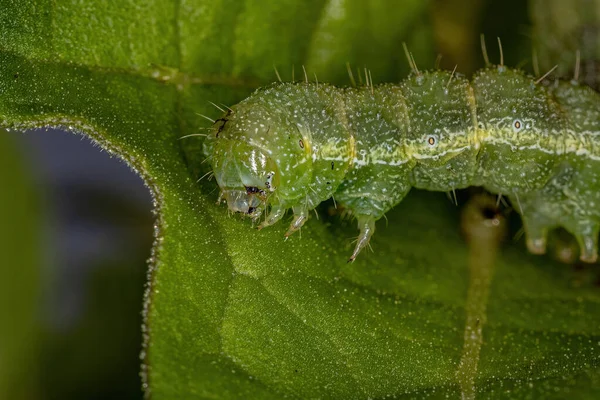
(235,313)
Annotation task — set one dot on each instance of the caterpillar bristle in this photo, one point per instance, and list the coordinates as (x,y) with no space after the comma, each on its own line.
(192,135)
(546,75)
(350,75)
(486,59)
(217,107)
(411,59)
(277,74)
(227,107)
(209,174)
(360,81)
(501,52)
(207,118)
(451,76)
(438,61)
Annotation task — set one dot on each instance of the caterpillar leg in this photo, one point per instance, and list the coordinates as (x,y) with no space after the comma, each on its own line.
(587,238)
(275,214)
(300,217)
(366,224)
(536,236)
(585,232)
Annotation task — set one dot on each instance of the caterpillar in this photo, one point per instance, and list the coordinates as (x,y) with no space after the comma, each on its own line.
(293,145)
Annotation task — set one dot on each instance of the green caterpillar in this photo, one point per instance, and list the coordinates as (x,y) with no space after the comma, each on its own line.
(294,145)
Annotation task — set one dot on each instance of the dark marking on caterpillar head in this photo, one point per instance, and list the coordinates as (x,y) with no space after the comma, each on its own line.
(221,127)
(222,121)
(301,143)
(254,190)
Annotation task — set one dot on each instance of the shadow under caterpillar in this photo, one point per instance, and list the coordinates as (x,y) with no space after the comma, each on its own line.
(294,145)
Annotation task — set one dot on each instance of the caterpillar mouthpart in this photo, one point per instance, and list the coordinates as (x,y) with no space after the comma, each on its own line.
(241,201)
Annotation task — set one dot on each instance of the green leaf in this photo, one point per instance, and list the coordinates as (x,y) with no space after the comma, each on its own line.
(20,240)
(236,313)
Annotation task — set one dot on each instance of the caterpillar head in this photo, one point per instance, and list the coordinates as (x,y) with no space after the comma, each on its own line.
(255,152)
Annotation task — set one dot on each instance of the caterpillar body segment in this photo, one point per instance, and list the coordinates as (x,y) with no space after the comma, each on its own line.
(294,145)
(521,132)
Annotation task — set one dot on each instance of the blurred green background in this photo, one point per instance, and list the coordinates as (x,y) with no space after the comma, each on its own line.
(74,332)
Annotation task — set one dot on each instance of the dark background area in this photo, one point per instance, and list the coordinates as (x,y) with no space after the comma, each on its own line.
(97,234)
